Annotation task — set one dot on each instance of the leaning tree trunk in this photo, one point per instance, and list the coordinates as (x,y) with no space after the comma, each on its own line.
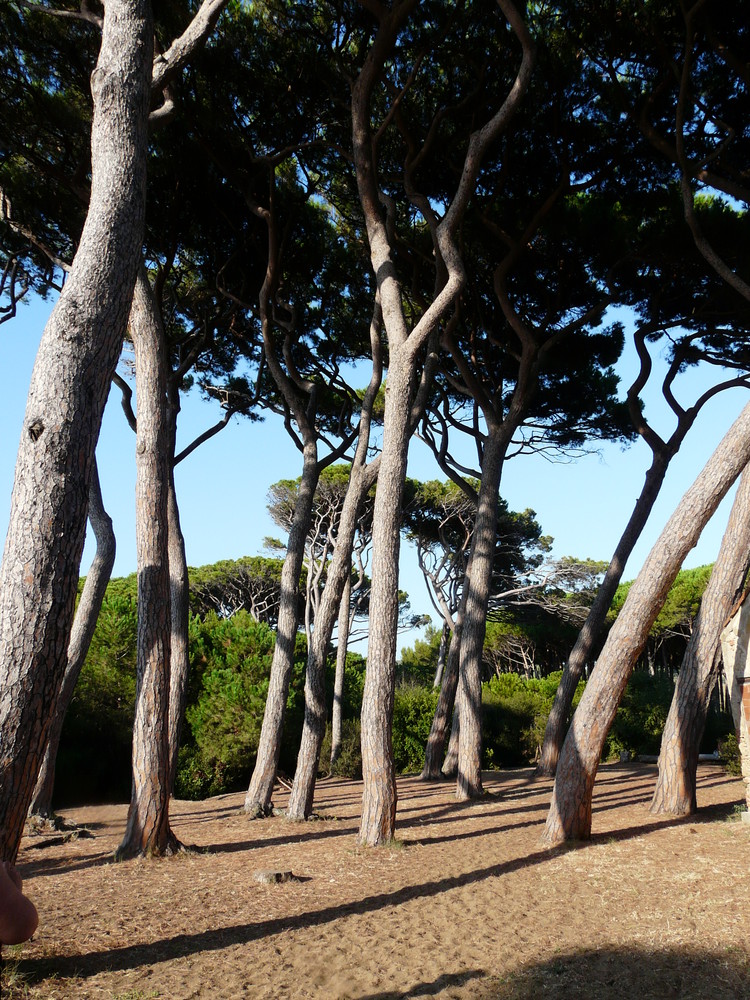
(72,373)
(337,710)
(179,590)
(258,798)
(445,634)
(339,573)
(675,791)
(554,732)
(569,817)
(433,755)
(84,624)
(147,831)
(478,583)
(450,764)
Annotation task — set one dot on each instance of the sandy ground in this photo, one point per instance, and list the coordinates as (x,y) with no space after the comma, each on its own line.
(467,904)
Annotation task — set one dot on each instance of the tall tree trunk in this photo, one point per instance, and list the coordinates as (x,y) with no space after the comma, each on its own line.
(554,732)
(339,574)
(84,624)
(72,373)
(147,831)
(378,821)
(678,760)
(445,634)
(735,643)
(258,798)
(450,764)
(433,755)
(570,812)
(478,584)
(179,590)
(337,711)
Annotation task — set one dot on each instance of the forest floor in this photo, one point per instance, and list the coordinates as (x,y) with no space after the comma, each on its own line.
(466,904)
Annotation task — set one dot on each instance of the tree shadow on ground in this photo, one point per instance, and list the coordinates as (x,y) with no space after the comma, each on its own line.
(623,973)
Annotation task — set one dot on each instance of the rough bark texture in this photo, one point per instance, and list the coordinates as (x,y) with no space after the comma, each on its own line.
(179,589)
(258,798)
(478,584)
(337,710)
(147,831)
(554,733)
(450,764)
(678,760)
(433,755)
(313,729)
(735,648)
(570,812)
(84,624)
(378,822)
(69,385)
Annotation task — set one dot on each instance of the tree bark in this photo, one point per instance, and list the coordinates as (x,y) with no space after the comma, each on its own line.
(258,798)
(147,831)
(570,812)
(554,732)
(378,821)
(339,573)
(73,369)
(478,584)
(675,791)
(84,624)
(445,634)
(337,710)
(450,764)
(433,756)
(179,589)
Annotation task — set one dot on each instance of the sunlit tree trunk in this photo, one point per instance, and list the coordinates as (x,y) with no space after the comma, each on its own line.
(675,791)
(147,830)
(260,791)
(69,385)
(84,624)
(570,812)
(337,710)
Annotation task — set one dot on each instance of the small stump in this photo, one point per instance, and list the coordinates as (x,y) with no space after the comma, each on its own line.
(274,877)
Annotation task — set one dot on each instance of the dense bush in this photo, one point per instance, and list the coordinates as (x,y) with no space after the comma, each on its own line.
(349,763)
(413,709)
(93,763)
(230,667)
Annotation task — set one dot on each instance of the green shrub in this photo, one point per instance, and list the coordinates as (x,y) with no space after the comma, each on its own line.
(231,662)
(413,711)
(640,719)
(349,763)
(729,754)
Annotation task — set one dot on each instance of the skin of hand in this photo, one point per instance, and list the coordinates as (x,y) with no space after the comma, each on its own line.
(18,916)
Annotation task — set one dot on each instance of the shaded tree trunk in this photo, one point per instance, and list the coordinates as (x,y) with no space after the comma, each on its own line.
(569,817)
(433,756)
(147,830)
(478,584)
(450,764)
(338,683)
(179,590)
(72,373)
(678,760)
(554,733)
(260,790)
(84,624)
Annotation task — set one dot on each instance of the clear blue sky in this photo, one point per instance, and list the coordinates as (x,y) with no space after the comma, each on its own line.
(222,487)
